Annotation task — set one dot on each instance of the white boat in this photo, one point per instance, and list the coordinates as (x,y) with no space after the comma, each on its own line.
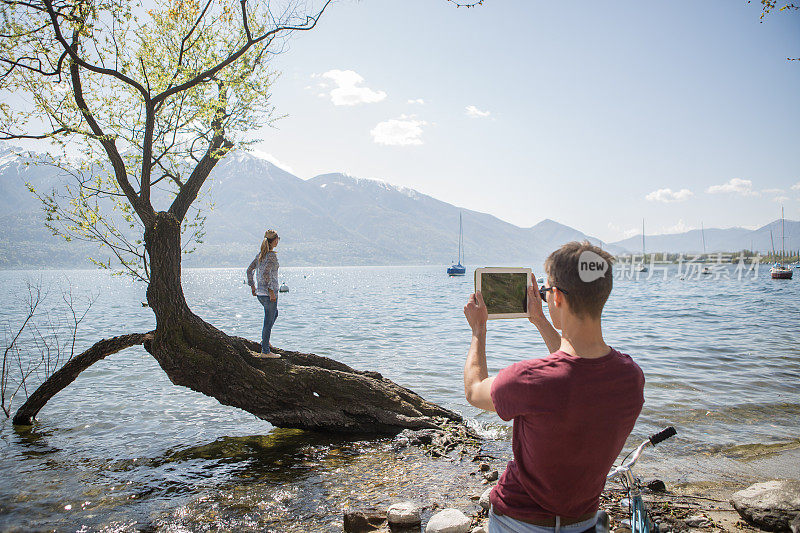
(459,269)
(283,288)
(778,270)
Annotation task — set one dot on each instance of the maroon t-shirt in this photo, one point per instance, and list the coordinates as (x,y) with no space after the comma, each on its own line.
(571,418)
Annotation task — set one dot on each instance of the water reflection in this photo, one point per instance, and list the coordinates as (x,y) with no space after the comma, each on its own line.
(125,449)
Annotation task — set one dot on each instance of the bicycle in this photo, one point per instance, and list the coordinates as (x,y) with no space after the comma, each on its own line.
(640,520)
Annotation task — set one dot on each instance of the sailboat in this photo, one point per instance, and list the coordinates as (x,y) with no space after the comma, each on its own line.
(459,269)
(641,267)
(706,271)
(778,270)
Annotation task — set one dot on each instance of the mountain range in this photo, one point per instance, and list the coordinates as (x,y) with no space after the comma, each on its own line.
(331,219)
(712,240)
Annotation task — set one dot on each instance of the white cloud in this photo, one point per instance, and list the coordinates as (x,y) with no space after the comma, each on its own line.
(796,186)
(402,131)
(474,112)
(348,90)
(668,195)
(781,199)
(680,227)
(417,101)
(272,159)
(735,185)
(630,232)
(772,191)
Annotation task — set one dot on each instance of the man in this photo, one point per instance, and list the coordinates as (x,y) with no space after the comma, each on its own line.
(572,410)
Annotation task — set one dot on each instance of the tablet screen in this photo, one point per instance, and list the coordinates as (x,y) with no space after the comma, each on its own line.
(505,292)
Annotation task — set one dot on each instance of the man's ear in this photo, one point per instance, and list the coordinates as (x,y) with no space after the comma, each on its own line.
(558,298)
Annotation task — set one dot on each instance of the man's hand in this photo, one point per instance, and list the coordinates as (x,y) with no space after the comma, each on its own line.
(476,312)
(253,290)
(477,383)
(535,311)
(551,337)
(272,296)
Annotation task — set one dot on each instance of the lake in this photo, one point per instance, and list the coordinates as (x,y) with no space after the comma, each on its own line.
(123,449)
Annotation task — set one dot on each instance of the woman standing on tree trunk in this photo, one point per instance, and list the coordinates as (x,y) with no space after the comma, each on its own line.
(265,265)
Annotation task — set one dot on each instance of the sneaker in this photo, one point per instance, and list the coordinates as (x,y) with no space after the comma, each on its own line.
(269,355)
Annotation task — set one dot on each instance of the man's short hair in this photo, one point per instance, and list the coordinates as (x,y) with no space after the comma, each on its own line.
(585,291)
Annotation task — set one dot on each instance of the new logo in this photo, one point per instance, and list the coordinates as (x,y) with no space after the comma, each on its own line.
(591,266)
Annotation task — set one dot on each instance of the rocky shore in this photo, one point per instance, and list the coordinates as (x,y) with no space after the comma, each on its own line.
(768,506)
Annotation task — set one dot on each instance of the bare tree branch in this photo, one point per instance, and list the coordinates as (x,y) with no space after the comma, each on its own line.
(33,301)
(67,373)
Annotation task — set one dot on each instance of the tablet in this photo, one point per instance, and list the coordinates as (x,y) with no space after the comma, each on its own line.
(504,290)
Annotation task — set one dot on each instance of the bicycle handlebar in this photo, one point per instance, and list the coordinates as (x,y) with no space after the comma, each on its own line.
(663,435)
(625,468)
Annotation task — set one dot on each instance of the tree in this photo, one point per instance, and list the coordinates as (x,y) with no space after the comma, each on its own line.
(767,6)
(151,100)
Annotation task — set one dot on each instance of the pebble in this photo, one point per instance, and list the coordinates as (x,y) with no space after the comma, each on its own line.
(484,467)
(479,529)
(491,476)
(484,499)
(449,521)
(698,521)
(404,513)
(656,485)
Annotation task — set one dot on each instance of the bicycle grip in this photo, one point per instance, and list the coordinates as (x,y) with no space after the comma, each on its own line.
(663,435)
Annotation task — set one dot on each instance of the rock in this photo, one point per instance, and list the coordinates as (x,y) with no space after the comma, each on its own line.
(698,520)
(770,506)
(656,485)
(404,513)
(491,476)
(795,525)
(484,467)
(479,529)
(448,521)
(361,520)
(400,442)
(421,436)
(671,523)
(622,529)
(484,500)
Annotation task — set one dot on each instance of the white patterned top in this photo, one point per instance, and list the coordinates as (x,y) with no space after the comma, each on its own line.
(266,274)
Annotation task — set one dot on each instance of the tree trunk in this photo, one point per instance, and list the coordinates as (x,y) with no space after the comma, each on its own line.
(298,390)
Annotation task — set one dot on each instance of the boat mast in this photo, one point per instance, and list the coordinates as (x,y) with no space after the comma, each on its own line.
(703,234)
(642,241)
(460,237)
(783,242)
(773,243)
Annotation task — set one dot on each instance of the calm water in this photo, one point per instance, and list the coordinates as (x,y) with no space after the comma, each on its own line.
(124,449)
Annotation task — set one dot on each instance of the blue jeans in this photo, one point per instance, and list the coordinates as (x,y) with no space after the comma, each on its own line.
(270,314)
(506,524)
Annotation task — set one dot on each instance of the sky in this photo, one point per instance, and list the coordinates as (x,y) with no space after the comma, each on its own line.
(598,115)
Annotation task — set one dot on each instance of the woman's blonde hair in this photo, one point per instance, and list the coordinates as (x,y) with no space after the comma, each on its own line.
(268,243)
